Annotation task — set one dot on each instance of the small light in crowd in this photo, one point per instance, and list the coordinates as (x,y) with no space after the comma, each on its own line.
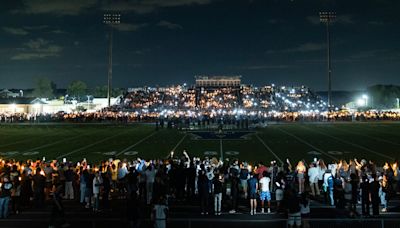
(64,160)
(44,159)
(19,178)
(42,173)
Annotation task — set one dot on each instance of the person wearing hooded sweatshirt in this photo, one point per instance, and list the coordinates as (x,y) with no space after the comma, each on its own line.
(5,195)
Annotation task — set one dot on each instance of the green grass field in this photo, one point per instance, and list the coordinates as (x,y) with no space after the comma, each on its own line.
(377,141)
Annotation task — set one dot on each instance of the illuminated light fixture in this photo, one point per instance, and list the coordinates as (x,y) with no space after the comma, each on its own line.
(360,102)
(13,107)
(111,19)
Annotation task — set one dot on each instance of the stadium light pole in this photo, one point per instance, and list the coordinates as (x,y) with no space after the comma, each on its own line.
(365,98)
(110,19)
(328,18)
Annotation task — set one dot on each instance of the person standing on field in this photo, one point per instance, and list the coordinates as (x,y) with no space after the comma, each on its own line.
(253,188)
(313,179)
(265,192)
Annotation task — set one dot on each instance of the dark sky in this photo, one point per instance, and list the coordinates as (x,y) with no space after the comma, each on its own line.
(169,41)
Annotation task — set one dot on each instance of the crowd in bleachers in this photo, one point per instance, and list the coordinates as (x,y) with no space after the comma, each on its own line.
(216,186)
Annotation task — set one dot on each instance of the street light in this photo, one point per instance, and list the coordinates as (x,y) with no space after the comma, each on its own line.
(328,18)
(398,100)
(110,19)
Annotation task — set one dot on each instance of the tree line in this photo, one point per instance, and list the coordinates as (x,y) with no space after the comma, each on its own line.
(77,89)
(384,96)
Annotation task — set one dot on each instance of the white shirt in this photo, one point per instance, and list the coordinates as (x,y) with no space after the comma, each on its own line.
(313,174)
(265,184)
(305,209)
(321,172)
(333,168)
(160,211)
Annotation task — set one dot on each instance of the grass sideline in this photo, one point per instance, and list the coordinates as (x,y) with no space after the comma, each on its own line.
(378,141)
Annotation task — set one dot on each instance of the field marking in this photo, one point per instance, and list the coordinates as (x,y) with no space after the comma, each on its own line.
(377,130)
(27,140)
(53,143)
(179,143)
(46,134)
(137,143)
(367,136)
(269,149)
(17,142)
(232,153)
(308,144)
(350,143)
(90,145)
(221,150)
(207,153)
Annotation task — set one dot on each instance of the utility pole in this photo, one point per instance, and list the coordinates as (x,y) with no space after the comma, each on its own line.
(328,18)
(110,19)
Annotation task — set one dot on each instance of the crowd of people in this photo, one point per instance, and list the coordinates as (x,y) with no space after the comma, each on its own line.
(216,186)
(200,118)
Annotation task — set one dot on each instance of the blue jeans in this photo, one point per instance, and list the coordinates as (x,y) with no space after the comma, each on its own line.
(4,207)
(82,192)
(330,192)
(383,199)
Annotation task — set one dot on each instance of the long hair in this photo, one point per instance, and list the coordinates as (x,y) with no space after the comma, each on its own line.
(321,164)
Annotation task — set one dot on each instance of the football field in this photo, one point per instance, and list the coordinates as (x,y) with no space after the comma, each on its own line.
(378,141)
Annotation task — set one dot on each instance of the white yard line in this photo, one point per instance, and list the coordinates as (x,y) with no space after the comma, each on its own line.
(53,143)
(269,149)
(179,143)
(26,140)
(17,142)
(371,137)
(352,144)
(308,144)
(361,127)
(88,146)
(137,143)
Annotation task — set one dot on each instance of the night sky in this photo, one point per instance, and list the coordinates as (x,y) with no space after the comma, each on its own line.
(164,42)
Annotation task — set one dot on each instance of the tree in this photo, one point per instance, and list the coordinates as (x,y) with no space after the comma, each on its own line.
(100,91)
(77,89)
(117,92)
(384,96)
(44,88)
